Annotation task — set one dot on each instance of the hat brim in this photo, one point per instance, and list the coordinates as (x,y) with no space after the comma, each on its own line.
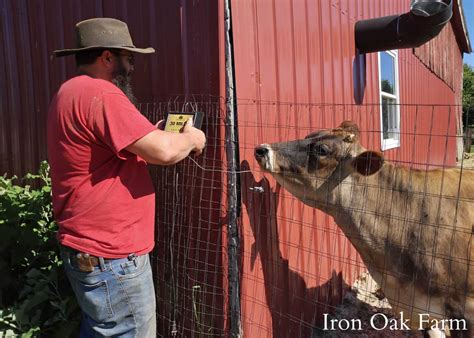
(64,52)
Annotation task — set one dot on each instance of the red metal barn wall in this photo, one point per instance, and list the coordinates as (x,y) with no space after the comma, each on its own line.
(296,71)
(183,33)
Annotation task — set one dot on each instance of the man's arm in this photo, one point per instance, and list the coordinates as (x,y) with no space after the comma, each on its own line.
(165,148)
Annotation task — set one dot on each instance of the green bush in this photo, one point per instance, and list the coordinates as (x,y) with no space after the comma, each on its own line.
(35,297)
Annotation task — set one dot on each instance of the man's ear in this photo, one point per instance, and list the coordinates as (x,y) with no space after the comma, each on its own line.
(368,162)
(106,57)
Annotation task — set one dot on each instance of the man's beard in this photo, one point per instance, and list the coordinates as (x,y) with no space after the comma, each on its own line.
(122,80)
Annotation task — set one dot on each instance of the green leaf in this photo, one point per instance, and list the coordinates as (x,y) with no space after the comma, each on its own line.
(31,332)
(35,294)
(468,95)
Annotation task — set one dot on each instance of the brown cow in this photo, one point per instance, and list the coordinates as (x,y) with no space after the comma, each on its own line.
(413,228)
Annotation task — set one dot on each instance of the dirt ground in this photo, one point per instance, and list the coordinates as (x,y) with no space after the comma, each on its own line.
(363,302)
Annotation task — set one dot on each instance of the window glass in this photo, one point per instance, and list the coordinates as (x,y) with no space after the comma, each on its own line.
(389,99)
(387,73)
(389,118)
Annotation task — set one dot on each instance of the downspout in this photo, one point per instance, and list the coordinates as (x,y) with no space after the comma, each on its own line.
(424,22)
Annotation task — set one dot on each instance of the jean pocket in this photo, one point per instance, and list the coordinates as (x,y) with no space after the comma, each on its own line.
(129,269)
(94,299)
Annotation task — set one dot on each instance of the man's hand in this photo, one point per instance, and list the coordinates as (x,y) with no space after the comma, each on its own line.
(197,136)
(166,148)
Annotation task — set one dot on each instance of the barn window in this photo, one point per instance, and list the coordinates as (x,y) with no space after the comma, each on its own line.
(389,99)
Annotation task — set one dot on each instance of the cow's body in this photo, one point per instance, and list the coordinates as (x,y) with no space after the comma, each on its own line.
(413,228)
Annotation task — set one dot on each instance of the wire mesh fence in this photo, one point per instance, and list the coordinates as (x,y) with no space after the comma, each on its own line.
(327,236)
(189,256)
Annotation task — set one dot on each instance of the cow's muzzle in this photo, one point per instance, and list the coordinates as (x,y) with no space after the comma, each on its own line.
(261,151)
(264,156)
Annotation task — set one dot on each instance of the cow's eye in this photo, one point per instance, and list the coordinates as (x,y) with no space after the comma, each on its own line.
(319,150)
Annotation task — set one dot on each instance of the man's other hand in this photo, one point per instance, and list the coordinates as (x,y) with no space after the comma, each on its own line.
(197,136)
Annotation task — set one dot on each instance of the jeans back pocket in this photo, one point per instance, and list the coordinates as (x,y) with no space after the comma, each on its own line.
(94,299)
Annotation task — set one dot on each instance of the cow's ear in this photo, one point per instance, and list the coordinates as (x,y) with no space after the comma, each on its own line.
(368,162)
(348,131)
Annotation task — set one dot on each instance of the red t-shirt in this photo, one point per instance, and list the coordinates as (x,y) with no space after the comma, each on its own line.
(103,197)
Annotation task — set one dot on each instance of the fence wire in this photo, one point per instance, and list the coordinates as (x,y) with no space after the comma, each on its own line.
(302,264)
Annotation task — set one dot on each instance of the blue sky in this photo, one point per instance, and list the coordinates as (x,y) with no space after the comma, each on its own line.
(468,6)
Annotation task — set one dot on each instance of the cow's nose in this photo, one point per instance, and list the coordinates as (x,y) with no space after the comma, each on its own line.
(261,151)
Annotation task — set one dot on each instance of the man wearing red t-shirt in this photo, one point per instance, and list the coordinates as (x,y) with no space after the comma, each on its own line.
(103,197)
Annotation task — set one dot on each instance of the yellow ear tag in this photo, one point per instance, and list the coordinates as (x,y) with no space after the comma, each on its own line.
(349,138)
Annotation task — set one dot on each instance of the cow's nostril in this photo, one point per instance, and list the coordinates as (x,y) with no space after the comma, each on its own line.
(261,151)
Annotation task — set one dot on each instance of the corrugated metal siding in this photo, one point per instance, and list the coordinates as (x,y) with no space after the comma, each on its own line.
(296,71)
(30,31)
(431,109)
(439,59)
(183,33)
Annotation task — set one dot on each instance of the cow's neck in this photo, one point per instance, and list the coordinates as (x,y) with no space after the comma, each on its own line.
(366,208)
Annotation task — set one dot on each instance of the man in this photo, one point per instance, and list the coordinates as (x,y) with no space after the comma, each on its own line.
(103,197)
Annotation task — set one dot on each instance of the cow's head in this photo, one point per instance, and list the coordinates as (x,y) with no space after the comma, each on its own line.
(313,167)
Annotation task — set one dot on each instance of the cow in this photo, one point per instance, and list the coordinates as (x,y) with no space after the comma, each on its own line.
(412,228)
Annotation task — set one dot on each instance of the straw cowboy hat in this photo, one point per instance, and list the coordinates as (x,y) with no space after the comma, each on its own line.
(102,33)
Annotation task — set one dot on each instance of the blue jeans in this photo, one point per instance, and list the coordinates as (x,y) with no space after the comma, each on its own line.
(117,298)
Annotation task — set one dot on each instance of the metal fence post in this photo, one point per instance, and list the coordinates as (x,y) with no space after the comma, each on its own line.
(233,182)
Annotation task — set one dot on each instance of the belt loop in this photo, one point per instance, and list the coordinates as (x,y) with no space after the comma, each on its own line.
(67,257)
(133,258)
(102,264)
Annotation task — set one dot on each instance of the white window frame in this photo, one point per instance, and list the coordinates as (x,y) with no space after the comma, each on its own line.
(391,142)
